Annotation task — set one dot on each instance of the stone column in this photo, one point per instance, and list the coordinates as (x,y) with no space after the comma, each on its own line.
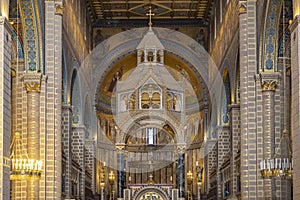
(223,149)
(250,125)
(5,107)
(78,149)
(32,81)
(121,169)
(295,67)
(180,173)
(53,71)
(66,142)
(269,83)
(235,121)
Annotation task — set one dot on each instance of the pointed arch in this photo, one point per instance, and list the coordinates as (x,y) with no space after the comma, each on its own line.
(76,97)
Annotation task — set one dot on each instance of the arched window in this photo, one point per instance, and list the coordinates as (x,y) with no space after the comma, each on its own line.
(151,136)
(145,101)
(150,56)
(155,103)
(150,96)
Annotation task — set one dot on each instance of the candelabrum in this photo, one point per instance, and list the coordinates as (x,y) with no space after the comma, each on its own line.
(281,165)
(277,167)
(111,179)
(199,171)
(189,177)
(23,167)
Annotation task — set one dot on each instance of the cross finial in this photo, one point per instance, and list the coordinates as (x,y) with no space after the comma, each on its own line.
(150,14)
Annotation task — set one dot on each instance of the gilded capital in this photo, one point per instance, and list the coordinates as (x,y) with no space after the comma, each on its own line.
(32,82)
(59,9)
(242,7)
(269,81)
(269,85)
(120,148)
(33,86)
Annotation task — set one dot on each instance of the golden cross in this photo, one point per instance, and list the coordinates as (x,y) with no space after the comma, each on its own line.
(150,14)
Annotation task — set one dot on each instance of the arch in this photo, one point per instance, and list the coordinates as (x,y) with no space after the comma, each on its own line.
(30,19)
(76,98)
(227,96)
(106,54)
(153,189)
(132,121)
(269,41)
(65,81)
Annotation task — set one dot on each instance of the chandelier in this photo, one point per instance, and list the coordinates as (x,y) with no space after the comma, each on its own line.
(282,163)
(22,167)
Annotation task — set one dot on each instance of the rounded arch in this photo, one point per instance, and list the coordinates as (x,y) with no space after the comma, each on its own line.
(269,36)
(106,54)
(133,120)
(165,128)
(152,189)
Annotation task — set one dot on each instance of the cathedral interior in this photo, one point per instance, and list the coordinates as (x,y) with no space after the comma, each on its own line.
(150,99)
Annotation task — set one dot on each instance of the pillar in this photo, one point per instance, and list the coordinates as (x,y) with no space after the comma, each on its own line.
(269,83)
(235,121)
(5,107)
(121,169)
(295,70)
(66,142)
(250,126)
(78,149)
(32,81)
(223,149)
(180,171)
(53,98)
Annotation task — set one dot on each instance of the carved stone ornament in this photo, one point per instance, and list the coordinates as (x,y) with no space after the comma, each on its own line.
(33,86)
(181,148)
(32,82)
(59,9)
(269,85)
(120,148)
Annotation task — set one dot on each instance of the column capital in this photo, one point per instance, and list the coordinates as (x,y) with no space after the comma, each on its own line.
(59,9)
(181,148)
(242,7)
(120,147)
(32,82)
(269,81)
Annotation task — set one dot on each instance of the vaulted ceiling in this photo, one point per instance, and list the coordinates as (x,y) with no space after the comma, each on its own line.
(108,11)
